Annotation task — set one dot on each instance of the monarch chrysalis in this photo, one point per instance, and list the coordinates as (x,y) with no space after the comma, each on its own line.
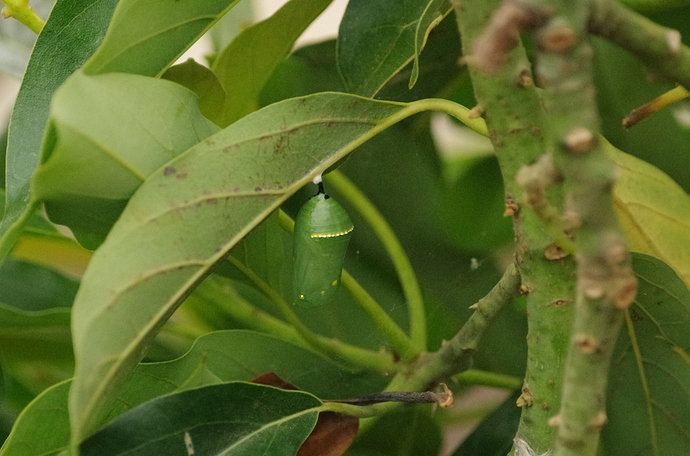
(322,232)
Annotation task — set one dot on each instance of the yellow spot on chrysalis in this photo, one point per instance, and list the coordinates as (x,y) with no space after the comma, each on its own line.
(301,296)
(334,283)
(323,292)
(329,235)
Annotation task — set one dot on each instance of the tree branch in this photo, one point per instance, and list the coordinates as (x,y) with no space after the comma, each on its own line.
(658,47)
(605,282)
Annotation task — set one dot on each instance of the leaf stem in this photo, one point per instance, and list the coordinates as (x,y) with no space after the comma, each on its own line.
(403,267)
(220,293)
(335,348)
(20,10)
(395,335)
(484,378)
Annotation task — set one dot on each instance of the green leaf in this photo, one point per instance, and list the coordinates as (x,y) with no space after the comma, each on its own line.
(204,83)
(310,69)
(494,435)
(623,83)
(31,287)
(653,211)
(42,335)
(411,430)
(217,357)
(187,215)
(245,65)
(107,134)
(649,384)
(71,34)
(232,418)
(46,416)
(472,207)
(147,36)
(378,38)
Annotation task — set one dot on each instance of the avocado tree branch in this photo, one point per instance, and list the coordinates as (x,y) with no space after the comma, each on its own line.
(502,79)
(605,281)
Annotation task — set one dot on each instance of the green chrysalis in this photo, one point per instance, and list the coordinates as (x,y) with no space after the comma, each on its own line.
(322,232)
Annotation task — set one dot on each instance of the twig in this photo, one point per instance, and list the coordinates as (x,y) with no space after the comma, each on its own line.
(660,102)
(20,10)
(655,45)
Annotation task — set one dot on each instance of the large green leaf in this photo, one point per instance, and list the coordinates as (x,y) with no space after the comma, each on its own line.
(649,386)
(653,211)
(377,38)
(221,356)
(147,36)
(188,214)
(245,65)
(231,418)
(107,133)
(73,31)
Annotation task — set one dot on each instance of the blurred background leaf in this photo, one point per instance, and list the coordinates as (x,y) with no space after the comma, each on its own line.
(648,400)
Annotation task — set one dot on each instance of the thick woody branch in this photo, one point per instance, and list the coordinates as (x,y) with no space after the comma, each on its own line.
(605,282)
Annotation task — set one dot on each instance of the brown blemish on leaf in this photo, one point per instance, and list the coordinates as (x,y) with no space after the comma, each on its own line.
(212,201)
(181,176)
(258,189)
(168,171)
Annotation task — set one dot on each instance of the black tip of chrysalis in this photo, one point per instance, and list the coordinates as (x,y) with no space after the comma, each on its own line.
(321,191)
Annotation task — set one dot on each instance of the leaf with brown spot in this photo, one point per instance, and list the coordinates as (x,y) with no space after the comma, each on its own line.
(166,241)
(333,433)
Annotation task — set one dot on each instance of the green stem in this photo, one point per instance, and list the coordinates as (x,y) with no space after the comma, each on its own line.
(484,378)
(220,293)
(367,359)
(605,281)
(403,267)
(20,10)
(455,355)
(514,116)
(396,336)
(658,47)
